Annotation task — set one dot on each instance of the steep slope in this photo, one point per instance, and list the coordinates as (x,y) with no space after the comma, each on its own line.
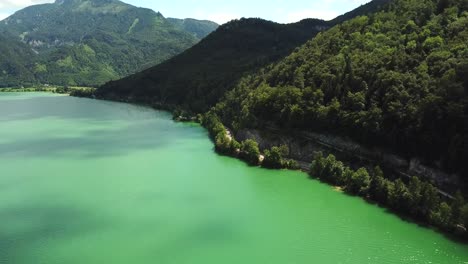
(201,75)
(200,28)
(101,39)
(395,79)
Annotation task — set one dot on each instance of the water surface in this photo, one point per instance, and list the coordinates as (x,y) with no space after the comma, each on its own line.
(86,181)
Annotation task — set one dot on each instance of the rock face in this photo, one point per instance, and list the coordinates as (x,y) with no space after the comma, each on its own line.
(303,146)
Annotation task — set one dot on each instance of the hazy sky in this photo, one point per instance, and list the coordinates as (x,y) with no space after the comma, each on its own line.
(283,11)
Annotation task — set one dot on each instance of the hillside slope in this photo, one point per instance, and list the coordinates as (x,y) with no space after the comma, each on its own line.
(89,42)
(199,28)
(198,78)
(395,79)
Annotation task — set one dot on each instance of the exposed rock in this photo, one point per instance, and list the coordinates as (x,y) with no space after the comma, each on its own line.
(303,146)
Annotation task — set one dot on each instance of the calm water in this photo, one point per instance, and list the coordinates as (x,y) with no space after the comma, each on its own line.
(84,181)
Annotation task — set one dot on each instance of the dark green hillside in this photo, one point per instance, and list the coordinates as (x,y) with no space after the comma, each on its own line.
(14,57)
(200,76)
(89,42)
(200,28)
(396,78)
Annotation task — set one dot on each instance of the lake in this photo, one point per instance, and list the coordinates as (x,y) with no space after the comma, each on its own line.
(87,181)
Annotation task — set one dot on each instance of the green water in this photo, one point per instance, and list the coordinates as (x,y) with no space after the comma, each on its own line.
(93,182)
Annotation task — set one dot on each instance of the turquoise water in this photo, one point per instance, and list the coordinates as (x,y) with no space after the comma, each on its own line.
(86,181)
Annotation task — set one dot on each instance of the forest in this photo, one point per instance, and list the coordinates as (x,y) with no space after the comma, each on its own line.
(395,78)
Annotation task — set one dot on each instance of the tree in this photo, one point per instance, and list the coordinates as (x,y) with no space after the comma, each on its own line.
(318,164)
(399,197)
(464,215)
(378,189)
(430,199)
(442,216)
(274,157)
(360,182)
(250,151)
(457,206)
(222,143)
(414,188)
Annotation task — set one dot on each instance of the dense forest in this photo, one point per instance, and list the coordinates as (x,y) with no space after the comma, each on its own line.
(201,75)
(395,79)
(197,79)
(89,42)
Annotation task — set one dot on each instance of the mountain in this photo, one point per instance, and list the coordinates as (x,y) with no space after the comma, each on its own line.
(394,78)
(397,79)
(199,28)
(89,42)
(201,75)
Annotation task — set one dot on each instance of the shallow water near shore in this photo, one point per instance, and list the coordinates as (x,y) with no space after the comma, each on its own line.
(87,181)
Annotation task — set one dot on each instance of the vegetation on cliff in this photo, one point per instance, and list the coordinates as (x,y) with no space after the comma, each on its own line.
(395,79)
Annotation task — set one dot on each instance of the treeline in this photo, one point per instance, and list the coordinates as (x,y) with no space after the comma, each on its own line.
(247,150)
(397,79)
(417,199)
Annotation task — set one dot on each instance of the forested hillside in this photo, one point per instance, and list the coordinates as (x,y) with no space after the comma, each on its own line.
(13,60)
(89,42)
(395,79)
(198,78)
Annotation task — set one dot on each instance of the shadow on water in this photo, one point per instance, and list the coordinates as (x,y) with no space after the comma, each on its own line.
(141,128)
(92,144)
(36,224)
(67,107)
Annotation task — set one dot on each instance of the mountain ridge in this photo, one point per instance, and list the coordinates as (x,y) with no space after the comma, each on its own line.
(72,39)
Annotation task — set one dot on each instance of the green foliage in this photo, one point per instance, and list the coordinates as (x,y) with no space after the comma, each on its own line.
(379,186)
(199,28)
(88,43)
(464,215)
(199,77)
(399,196)
(395,78)
(274,158)
(443,216)
(224,144)
(360,182)
(250,151)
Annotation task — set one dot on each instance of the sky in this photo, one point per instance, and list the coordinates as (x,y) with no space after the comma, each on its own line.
(282,11)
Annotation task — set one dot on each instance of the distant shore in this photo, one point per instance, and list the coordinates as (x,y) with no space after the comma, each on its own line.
(50,89)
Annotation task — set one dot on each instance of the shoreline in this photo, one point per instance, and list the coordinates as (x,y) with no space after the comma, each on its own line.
(301,166)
